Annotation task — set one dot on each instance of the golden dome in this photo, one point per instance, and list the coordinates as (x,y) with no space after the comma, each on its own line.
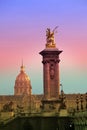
(22,76)
(22,83)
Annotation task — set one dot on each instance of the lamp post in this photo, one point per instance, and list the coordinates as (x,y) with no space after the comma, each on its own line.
(77,102)
(86,100)
(81,99)
(62,97)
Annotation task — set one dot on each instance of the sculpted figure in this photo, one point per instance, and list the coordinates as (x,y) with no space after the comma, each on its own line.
(50,43)
(8,107)
(50,36)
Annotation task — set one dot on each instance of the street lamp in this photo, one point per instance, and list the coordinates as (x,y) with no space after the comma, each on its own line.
(81,99)
(77,102)
(86,100)
(62,97)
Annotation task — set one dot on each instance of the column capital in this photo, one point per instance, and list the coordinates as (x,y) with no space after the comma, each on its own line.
(45,61)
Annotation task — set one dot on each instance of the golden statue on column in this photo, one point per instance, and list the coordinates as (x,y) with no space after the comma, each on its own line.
(50,43)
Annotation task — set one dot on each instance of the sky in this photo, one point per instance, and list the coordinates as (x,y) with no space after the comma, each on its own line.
(23,25)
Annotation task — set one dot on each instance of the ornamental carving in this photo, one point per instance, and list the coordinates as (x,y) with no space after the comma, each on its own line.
(52,71)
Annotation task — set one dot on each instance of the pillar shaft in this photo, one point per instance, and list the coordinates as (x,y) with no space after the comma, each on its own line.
(51,72)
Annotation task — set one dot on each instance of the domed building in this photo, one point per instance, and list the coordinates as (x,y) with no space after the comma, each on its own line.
(22,83)
(23,99)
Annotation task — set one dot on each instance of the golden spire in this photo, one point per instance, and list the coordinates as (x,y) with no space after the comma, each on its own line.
(22,67)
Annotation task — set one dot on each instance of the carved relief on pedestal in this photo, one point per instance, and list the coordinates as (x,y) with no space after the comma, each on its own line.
(52,71)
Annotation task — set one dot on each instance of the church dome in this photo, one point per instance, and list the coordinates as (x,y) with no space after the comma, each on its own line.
(22,76)
(22,83)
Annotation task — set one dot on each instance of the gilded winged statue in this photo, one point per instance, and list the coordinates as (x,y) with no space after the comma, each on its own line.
(50,37)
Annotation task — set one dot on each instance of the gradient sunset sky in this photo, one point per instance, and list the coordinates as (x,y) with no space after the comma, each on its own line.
(23,26)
